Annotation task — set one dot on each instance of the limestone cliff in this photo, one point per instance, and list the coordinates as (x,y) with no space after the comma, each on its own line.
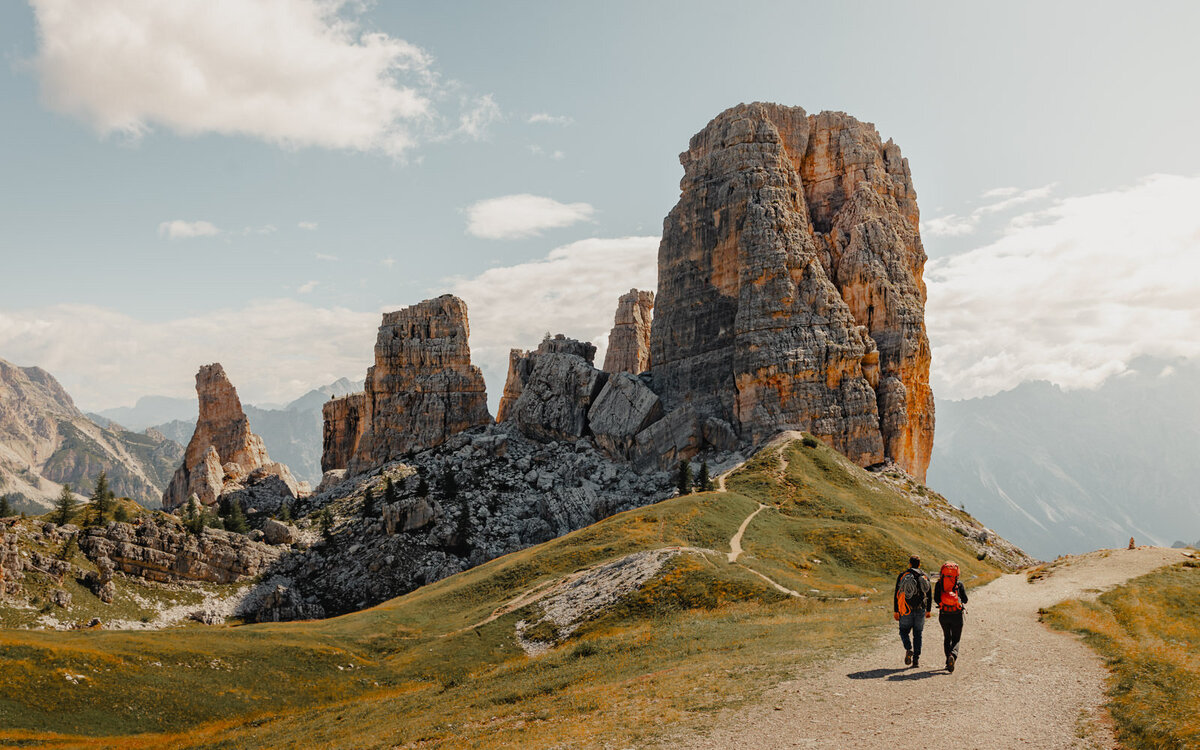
(629,340)
(790,292)
(223,453)
(421,390)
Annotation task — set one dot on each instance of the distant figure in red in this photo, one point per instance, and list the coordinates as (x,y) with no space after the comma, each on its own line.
(951,597)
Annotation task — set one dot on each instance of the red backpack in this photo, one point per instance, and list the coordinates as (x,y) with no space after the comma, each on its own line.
(949,601)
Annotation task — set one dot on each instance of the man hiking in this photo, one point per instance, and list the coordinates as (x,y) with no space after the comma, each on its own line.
(951,598)
(911,605)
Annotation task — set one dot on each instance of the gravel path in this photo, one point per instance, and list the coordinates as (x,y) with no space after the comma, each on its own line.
(1017,683)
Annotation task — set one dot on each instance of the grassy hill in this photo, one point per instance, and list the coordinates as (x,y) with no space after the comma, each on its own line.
(443,666)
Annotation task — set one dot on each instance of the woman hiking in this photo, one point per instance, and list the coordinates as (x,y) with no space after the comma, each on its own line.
(951,598)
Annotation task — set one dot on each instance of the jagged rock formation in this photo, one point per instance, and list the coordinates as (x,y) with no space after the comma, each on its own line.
(421,390)
(166,553)
(223,455)
(629,340)
(512,492)
(45,441)
(554,387)
(790,293)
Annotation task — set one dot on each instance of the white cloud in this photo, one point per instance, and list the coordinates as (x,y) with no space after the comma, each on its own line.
(573,290)
(474,122)
(307,287)
(1071,293)
(184,230)
(324,256)
(308,226)
(953,225)
(523,215)
(544,118)
(388,262)
(537,150)
(296,73)
(105,358)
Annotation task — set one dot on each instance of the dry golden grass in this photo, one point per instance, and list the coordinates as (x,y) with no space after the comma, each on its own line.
(1148,632)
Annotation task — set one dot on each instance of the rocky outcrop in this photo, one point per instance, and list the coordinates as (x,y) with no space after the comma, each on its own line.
(629,340)
(223,453)
(164,552)
(344,420)
(556,384)
(421,390)
(790,293)
(625,407)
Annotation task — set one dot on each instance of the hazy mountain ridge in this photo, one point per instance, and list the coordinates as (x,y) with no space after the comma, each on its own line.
(45,441)
(1068,471)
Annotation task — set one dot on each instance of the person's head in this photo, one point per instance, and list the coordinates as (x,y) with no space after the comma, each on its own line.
(914,561)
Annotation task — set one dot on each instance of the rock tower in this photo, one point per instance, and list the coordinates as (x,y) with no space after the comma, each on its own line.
(629,340)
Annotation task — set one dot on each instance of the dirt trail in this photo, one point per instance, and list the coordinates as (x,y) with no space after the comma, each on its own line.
(1017,684)
(735,544)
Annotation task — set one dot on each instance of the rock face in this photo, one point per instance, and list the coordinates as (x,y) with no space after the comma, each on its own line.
(556,385)
(790,293)
(421,390)
(166,553)
(624,408)
(629,340)
(223,453)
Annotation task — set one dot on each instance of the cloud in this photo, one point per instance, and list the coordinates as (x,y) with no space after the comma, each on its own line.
(573,290)
(953,225)
(537,150)
(308,226)
(324,256)
(544,118)
(388,262)
(1072,293)
(524,215)
(474,122)
(105,358)
(297,73)
(307,287)
(184,230)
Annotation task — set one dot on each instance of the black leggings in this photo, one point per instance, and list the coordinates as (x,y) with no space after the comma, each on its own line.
(952,625)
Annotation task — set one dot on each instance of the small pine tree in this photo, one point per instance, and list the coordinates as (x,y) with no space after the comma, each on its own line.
(684,480)
(422,487)
(103,499)
(5,508)
(193,519)
(64,508)
(285,511)
(368,504)
(235,520)
(69,548)
(326,521)
(449,485)
(390,495)
(121,514)
(703,482)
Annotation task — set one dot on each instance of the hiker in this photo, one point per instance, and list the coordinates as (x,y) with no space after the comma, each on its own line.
(911,606)
(951,598)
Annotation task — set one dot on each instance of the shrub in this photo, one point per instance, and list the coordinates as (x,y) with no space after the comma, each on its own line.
(808,441)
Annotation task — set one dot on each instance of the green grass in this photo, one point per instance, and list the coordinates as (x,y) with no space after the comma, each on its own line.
(1148,632)
(703,635)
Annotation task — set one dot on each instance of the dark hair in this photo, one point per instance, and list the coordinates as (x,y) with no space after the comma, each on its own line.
(914,561)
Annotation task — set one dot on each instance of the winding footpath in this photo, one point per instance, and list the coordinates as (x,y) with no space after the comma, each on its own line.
(1018,684)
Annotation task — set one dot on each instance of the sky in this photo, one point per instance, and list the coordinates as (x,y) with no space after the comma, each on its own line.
(254,182)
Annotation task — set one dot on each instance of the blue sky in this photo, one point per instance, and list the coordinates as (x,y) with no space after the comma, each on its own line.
(254,182)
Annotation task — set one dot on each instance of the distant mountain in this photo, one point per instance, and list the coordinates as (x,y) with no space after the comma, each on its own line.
(45,441)
(150,411)
(293,434)
(1069,471)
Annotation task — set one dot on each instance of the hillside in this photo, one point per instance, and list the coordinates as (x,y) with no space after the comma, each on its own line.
(642,621)
(1063,472)
(45,441)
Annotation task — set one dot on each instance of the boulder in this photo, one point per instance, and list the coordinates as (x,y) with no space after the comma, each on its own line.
(624,407)
(555,399)
(278,532)
(677,436)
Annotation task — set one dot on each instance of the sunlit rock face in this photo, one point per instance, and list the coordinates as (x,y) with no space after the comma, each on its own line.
(790,293)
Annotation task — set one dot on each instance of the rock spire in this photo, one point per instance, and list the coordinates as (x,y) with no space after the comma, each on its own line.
(790,293)
(629,340)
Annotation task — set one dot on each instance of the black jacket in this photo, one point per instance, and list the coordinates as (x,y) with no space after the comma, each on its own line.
(958,586)
(926,603)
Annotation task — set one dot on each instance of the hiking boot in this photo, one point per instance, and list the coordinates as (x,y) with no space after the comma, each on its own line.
(950,663)
(908,656)
(916,661)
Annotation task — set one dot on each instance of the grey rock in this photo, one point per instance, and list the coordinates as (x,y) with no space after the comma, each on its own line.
(624,407)
(278,532)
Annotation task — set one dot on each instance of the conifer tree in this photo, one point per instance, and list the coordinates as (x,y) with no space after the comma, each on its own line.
(101,503)
(449,485)
(422,487)
(285,511)
(368,504)
(390,495)
(684,480)
(235,520)
(326,521)
(193,519)
(5,509)
(64,508)
(121,514)
(703,482)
